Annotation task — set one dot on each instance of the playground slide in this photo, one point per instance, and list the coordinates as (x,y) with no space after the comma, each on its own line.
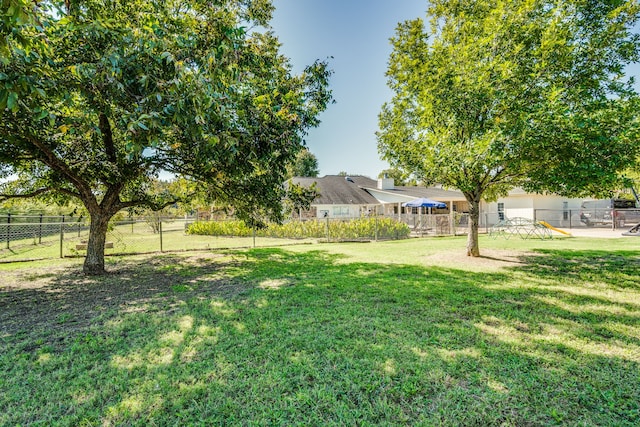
(633,231)
(551,227)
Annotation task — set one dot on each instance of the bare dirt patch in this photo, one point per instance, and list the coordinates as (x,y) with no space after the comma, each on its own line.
(490,259)
(52,301)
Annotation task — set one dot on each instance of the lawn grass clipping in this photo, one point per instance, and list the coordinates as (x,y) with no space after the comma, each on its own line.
(410,332)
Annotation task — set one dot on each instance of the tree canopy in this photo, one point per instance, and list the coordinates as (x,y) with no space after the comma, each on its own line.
(108,94)
(299,197)
(305,164)
(532,93)
(399,177)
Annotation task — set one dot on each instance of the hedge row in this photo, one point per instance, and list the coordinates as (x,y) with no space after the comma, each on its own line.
(361,228)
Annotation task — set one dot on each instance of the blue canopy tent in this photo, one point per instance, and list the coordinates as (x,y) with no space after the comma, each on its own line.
(424,203)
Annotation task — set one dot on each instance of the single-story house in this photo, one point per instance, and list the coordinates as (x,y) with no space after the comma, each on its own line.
(340,197)
(392,197)
(353,196)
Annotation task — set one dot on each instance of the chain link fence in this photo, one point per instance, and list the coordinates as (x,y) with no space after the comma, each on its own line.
(26,237)
(29,237)
(436,224)
(36,236)
(615,219)
(612,219)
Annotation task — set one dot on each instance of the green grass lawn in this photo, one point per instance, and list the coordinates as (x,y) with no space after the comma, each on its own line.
(388,333)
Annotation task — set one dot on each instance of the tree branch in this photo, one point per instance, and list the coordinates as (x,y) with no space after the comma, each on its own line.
(34,193)
(37,192)
(55,163)
(107,138)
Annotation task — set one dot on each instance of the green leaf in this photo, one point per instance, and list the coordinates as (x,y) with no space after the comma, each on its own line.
(4,94)
(167,56)
(12,101)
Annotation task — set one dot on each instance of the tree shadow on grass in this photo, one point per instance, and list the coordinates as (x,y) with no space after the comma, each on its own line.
(61,300)
(615,269)
(274,337)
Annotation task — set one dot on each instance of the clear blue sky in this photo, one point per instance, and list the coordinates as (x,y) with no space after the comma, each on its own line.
(356,34)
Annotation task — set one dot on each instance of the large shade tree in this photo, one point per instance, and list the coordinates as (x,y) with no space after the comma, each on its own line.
(106,95)
(532,93)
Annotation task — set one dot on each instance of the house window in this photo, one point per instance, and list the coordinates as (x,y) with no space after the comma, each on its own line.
(501,211)
(341,211)
(565,210)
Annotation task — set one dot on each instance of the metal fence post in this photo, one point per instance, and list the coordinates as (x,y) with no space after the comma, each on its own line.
(570,215)
(40,230)
(327,229)
(61,236)
(376,222)
(8,229)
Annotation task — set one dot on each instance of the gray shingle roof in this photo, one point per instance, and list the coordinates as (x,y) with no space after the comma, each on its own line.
(337,190)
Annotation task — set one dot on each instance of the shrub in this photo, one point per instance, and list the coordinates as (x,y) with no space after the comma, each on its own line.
(361,228)
(220,228)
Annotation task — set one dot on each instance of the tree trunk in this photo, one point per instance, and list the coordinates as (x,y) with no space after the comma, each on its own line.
(473,248)
(94,262)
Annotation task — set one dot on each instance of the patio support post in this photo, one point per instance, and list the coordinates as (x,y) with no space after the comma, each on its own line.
(452,227)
